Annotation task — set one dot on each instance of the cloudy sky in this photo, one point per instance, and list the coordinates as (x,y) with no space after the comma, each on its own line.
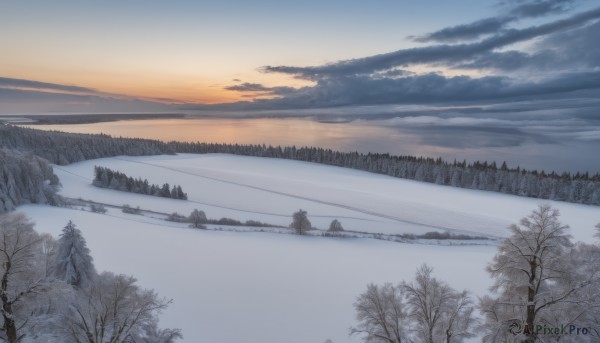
(507,72)
(265,55)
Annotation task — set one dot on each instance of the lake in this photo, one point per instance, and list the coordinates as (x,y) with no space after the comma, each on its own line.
(382,136)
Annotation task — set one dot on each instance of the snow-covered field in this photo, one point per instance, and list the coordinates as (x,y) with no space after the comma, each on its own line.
(271,288)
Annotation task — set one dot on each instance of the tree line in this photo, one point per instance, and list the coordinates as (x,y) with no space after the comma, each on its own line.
(107,178)
(50,291)
(64,148)
(581,188)
(546,288)
(25,178)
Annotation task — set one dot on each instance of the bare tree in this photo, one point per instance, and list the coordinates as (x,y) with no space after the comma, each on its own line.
(532,276)
(113,310)
(198,219)
(152,334)
(382,315)
(49,249)
(582,308)
(21,273)
(440,313)
(458,320)
(300,224)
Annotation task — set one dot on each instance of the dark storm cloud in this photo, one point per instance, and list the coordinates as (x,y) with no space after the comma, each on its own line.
(516,10)
(576,48)
(427,89)
(435,53)
(538,8)
(20,83)
(470,31)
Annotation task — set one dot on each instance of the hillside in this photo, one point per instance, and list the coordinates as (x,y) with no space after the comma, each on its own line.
(266,287)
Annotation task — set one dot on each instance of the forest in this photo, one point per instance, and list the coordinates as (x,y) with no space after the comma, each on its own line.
(108,178)
(64,148)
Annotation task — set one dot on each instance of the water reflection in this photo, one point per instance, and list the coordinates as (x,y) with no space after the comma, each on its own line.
(364,136)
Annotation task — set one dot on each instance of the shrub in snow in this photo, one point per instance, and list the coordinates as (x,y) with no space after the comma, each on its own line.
(300,224)
(130,210)
(97,208)
(178,218)
(335,226)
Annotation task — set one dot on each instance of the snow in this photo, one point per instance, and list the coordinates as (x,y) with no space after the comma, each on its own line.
(258,287)
(270,190)
(268,287)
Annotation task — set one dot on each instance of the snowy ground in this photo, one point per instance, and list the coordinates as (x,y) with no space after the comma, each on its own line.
(272,288)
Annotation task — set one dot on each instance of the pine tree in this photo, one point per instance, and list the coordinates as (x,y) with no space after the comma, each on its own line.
(74,265)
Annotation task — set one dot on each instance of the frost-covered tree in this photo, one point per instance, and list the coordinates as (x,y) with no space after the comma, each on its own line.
(533,276)
(21,274)
(423,310)
(197,218)
(382,315)
(74,264)
(582,307)
(336,226)
(439,312)
(150,333)
(115,310)
(300,224)
(49,248)
(25,178)
(458,321)
(597,230)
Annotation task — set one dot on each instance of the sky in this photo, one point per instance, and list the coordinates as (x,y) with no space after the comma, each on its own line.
(307,54)
(191,51)
(503,71)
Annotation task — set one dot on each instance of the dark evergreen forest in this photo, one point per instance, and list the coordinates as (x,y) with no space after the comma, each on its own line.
(108,178)
(64,148)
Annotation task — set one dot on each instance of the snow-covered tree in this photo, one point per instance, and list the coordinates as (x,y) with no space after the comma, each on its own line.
(336,226)
(300,224)
(582,307)
(533,276)
(197,218)
(49,248)
(439,312)
(150,333)
(423,310)
(115,310)
(458,321)
(21,274)
(74,264)
(597,230)
(382,315)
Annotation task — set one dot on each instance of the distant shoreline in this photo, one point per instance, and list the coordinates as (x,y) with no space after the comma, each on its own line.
(53,119)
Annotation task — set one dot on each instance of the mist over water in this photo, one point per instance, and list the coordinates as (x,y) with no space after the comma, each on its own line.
(527,150)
